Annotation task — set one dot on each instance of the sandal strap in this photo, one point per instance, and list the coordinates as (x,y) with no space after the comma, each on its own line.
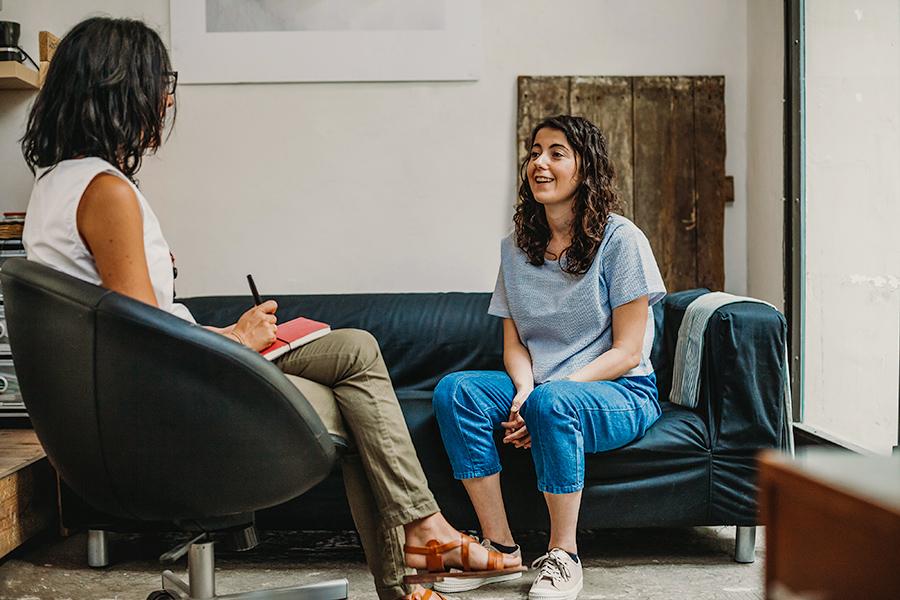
(495,561)
(434,555)
(434,551)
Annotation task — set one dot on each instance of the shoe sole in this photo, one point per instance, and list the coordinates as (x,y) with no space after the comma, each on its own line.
(464,585)
(434,576)
(557,595)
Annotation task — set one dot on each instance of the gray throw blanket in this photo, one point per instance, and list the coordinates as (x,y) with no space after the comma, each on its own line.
(689,351)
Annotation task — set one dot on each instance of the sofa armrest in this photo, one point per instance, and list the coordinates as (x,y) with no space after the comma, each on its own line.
(742,377)
(741,374)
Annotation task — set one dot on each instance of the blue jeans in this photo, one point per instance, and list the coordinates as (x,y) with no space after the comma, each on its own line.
(565,420)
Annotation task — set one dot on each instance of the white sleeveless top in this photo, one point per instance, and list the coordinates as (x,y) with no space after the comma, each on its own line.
(51,232)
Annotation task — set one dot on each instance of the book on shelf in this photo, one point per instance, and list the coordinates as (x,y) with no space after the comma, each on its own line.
(293,334)
(11,225)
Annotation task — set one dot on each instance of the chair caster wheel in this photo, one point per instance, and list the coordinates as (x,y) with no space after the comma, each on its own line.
(160,595)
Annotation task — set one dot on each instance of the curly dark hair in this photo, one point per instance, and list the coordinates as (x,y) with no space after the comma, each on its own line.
(595,197)
(104,96)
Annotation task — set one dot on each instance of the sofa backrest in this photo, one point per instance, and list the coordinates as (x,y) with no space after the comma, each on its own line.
(425,336)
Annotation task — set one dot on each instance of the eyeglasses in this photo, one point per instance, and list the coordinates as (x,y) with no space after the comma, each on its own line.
(171,81)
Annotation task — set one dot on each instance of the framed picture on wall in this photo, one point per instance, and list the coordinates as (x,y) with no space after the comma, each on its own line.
(254,41)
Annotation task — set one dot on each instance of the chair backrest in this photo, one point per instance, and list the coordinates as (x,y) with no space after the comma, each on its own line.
(147,416)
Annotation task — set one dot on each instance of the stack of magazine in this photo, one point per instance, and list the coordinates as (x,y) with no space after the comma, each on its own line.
(11,407)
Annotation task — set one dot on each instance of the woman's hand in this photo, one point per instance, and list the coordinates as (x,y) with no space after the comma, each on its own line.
(516,431)
(256,327)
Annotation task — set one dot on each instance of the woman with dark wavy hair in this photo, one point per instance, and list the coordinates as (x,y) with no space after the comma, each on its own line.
(104,105)
(575,288)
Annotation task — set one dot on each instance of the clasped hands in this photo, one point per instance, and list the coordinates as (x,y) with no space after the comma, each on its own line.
(516,432)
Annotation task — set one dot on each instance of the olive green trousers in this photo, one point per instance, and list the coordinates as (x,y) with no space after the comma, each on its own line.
(344,377)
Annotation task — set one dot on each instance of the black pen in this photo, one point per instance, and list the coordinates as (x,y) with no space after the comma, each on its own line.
(256,299)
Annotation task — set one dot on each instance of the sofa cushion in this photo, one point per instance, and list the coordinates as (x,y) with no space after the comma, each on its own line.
(625,484)
(677,441)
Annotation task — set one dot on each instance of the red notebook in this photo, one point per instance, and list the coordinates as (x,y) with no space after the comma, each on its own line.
(293,334)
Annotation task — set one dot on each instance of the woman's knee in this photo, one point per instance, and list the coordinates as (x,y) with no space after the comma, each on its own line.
(447,392)
(359,343)
(548,403)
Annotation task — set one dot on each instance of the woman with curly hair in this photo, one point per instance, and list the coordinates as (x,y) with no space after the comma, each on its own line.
(575,288)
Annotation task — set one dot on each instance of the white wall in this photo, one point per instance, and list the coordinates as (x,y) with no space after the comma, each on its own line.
(389,186)
(852,319)
(765,150)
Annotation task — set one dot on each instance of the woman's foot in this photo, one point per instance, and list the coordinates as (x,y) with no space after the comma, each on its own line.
(560,577)
(471,583)
(435,527)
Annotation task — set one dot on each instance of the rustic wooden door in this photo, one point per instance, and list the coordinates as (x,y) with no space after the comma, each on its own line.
(667,140)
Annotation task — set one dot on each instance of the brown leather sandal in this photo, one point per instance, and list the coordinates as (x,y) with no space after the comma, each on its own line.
(435,570)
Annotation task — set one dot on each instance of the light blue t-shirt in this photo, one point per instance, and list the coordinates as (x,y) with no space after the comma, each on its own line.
(565,320)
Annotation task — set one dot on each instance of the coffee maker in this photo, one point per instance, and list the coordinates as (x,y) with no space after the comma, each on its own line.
(9,42)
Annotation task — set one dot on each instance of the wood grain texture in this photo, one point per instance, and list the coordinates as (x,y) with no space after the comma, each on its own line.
(27,489)
(47,43)
(18,448)
(710,182)
(539,97)
(664,205)
(608,103)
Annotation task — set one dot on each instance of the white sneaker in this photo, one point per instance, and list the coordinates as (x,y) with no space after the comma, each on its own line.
(560,577)
(464,584)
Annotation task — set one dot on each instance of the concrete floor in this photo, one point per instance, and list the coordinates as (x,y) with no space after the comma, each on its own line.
(688,564)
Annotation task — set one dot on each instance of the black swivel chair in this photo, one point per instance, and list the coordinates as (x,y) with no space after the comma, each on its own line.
(148,417)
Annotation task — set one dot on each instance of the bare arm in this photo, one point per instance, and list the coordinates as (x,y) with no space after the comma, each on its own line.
(629,323)
(109,221)
(516,359)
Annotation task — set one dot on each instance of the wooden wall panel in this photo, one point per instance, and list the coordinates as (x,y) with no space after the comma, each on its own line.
(710,181)
(539,97)
(607,102)
(664,173)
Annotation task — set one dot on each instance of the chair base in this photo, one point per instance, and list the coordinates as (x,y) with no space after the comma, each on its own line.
(201,584)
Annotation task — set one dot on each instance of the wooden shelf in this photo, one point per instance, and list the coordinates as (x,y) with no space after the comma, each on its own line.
(28,493)
(16,76)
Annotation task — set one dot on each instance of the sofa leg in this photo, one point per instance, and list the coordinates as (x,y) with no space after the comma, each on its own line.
(745,544)
(97,548)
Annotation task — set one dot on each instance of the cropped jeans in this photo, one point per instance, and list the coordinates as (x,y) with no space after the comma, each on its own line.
(566,419)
